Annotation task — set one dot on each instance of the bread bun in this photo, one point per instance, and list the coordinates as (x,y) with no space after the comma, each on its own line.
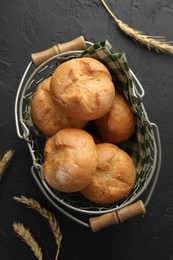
(47,117)
(118,125)
(114,178)
(82,88)
(70,160)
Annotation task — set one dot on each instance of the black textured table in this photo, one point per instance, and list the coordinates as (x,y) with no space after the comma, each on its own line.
(31,26)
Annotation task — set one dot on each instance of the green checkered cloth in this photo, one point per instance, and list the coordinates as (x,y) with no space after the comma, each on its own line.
(139,146)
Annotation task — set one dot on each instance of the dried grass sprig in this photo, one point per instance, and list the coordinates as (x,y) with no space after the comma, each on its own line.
(46,214)
(5,161)
(27,237)
(152,42)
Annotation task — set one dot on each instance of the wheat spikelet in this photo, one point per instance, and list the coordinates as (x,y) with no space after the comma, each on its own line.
(27,237)
(46,214)
(150,41)
(4,161)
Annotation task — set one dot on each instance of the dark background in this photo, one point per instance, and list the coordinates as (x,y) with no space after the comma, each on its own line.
(30,26)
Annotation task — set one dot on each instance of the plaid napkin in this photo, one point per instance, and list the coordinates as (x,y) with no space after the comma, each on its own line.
(139,147)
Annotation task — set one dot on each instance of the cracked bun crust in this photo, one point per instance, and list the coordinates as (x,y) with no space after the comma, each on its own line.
(47,117)
(114,178)
(82,88)
(118,125)
(70,160)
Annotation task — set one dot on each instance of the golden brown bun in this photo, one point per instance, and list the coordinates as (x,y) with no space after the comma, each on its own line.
(70,160)
(83,88)
(114,178)
(47,117)
(118,125)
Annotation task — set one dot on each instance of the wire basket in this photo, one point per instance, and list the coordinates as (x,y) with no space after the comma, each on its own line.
(144,147)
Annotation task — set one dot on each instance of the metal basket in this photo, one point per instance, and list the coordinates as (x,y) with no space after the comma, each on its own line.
(73,204)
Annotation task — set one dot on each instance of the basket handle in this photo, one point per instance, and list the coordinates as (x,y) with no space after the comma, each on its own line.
(117,217)
(75,44)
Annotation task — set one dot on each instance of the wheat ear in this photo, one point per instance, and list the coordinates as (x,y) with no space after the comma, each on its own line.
(150,41)
(27,237)
(46,214)
(5,161)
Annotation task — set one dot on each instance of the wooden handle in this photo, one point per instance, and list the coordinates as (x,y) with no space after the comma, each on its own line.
(76,44)
(118,216)
(103,221)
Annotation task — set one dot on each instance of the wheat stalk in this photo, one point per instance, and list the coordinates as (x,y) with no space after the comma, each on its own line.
(152,42)
(27,237)
(46,214)
(4,161)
